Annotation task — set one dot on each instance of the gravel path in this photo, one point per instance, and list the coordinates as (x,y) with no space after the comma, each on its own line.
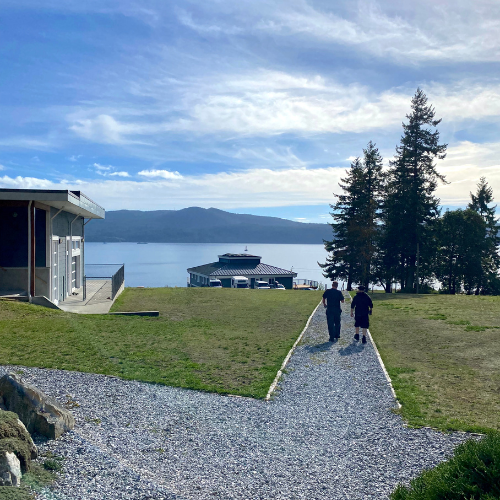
(328,433)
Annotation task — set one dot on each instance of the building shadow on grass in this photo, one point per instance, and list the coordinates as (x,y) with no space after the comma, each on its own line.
(353,348)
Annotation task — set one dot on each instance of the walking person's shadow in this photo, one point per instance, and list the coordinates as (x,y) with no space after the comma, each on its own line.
(319,347)
(353,348)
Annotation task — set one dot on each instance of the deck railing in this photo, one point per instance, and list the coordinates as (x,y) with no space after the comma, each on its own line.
(111,272)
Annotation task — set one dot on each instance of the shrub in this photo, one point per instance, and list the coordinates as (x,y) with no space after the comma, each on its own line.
(473,473)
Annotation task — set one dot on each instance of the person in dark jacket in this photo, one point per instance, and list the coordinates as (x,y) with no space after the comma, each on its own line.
(332,299)
(361,308)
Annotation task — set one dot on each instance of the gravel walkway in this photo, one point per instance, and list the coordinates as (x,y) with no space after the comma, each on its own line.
(328,433)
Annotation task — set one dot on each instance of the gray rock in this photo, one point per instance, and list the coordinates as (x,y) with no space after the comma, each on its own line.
(14,438)
(10,469)
(39,413)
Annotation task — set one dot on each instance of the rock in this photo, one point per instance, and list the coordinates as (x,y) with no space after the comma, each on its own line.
(39,413)
(10,469)
(14,438)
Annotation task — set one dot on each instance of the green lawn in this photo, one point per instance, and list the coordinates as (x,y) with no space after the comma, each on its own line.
(443,355)
(221,340)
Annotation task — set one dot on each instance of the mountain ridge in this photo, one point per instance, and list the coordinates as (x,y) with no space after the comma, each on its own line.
(201,225)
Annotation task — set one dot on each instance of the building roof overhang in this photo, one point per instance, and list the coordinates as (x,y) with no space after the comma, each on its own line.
(74,202)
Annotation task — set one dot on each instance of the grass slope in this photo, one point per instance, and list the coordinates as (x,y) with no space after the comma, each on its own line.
(443,355)
(228,341)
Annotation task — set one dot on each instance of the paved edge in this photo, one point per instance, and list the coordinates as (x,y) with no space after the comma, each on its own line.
(389,381)
(288,356)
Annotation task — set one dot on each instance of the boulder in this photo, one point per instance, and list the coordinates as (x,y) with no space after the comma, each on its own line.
(14,438)
(10,469)
(39,413)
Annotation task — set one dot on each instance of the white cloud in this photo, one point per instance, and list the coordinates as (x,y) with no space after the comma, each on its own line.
(120,174)
(268,103)
(102,128)
(165,174)
(26,183)
(464,165)
(101,168)
(2,167)
(427,31)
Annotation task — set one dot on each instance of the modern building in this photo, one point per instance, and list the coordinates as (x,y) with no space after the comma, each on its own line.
(238,264)
(42,241)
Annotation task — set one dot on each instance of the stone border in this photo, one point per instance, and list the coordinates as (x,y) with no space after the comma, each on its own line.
(288,356)
(389,381)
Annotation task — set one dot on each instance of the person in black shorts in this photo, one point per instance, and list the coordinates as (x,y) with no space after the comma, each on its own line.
(361,308)
(331,300)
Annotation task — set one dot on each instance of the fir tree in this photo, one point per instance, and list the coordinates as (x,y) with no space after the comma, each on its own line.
(356,214)
(410,208)
(490,260)
(461,243)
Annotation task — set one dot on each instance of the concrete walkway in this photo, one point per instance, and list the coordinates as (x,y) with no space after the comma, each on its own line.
(98,300)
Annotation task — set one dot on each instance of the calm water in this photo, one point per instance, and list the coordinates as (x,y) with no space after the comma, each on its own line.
(165,264)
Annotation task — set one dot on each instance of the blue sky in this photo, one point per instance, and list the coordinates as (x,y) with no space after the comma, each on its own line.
(249,106)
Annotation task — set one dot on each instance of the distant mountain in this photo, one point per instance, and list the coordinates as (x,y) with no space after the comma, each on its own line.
(201,225)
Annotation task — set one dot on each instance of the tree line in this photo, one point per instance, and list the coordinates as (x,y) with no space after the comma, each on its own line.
(388,227)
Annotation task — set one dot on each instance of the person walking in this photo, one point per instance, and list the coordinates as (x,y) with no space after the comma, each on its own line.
(331,300)
(361,308)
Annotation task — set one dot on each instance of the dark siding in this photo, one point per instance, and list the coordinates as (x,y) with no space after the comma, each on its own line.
(14,237)
(40,238)
(226,283)
(286,282)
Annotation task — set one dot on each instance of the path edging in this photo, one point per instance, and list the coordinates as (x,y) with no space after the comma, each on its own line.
(288,356)
(388,378)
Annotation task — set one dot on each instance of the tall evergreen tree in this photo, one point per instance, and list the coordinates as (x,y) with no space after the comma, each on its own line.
(342,260)
(410,208)
(356,214)
(480,203)
(369,216)
(461,243)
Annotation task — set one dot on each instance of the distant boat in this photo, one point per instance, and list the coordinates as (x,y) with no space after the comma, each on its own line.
(142,242)
(246,249)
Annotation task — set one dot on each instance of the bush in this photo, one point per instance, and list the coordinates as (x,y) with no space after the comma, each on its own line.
(473,473)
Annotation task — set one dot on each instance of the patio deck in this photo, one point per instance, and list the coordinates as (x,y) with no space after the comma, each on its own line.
(98,300)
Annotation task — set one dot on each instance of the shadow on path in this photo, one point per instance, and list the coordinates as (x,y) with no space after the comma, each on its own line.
(325,346)
(353,348)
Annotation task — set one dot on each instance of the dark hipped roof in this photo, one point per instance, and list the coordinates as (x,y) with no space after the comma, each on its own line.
(222,269)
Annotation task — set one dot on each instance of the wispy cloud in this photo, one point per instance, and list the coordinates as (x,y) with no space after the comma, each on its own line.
(275,103)
(263,187)
(435,32)
(164,174)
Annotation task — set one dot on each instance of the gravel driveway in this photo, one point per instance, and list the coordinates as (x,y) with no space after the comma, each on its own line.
(328,433)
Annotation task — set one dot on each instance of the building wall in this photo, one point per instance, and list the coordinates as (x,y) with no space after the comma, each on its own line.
(15,280)
(14,248)
(61,224)
(226,282)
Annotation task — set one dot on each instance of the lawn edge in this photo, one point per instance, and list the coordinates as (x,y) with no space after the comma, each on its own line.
(288,356)
(386,373)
